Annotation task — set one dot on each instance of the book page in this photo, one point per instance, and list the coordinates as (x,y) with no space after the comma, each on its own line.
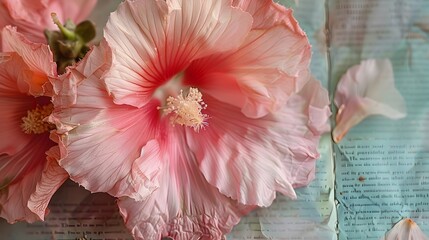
(313,214)
(75,213)
(382,165)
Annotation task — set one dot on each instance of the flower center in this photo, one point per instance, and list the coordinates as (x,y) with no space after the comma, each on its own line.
(186,110)
(34,122)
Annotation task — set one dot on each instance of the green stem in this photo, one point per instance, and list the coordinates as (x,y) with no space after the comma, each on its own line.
(66,32)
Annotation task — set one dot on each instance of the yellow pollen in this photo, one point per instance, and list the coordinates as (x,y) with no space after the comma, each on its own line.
(33,123)
(187,110)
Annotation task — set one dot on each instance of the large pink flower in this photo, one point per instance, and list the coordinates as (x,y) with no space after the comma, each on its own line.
(33,17)
(28,176)
(201,107)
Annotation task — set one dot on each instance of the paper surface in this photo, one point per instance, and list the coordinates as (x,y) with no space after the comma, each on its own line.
(74,214)
(382,166)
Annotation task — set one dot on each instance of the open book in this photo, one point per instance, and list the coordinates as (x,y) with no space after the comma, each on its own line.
(377,175)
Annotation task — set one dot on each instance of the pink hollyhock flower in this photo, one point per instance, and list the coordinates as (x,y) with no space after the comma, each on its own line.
(29,172)
(33,17)
(366,89)
(201,107)
(405,229)
(160,214)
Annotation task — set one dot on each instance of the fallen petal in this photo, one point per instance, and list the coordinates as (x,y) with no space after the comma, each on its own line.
(366,89)
(405,229)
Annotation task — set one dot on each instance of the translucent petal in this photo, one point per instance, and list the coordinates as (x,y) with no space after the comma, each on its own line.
(405,229)
(366,89)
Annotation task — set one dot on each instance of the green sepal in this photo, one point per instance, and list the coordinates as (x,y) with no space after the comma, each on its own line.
(86,31)
(69,43)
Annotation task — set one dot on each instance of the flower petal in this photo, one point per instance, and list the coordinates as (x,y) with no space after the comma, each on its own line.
(267,14)
(12,109)
(103,140)
(318,106)
(53,176)
(107,146)
(405,229)
(14,103)
(250,159)
(184,206)
(263,71)
(37,56)
(154,40)
(359,95)
(20,173)
(269,62)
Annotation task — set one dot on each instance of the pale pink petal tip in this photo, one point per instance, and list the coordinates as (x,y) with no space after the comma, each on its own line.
(318,106)
(37,56)
(53,176)
(366,89)
(405,229)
